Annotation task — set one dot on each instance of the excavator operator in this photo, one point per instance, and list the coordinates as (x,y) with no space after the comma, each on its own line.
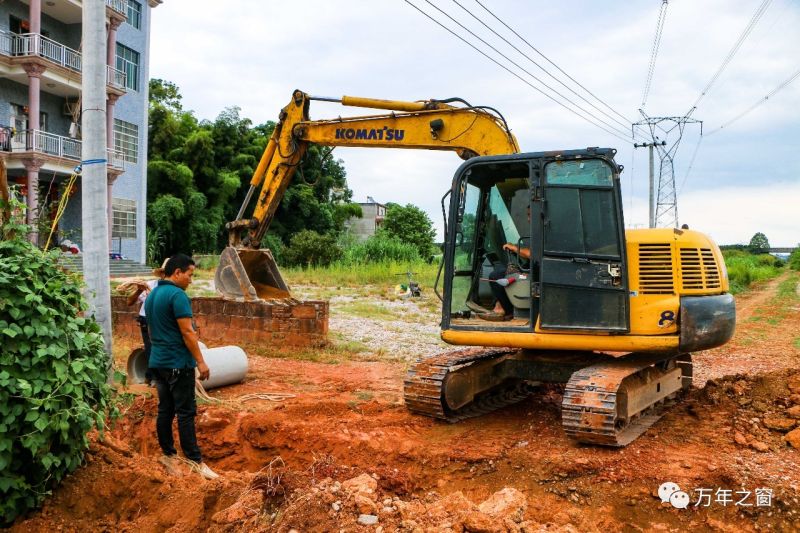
(503,308)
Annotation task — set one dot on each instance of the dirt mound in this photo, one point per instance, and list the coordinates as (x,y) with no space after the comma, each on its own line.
(119,490)
(767,408)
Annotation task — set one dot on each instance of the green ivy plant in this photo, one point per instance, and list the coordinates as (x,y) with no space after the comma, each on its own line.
(53,373)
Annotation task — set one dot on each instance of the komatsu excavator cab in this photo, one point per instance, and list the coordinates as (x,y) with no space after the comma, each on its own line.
(564,207)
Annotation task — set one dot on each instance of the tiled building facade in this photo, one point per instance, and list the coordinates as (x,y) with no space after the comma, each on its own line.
(40,101)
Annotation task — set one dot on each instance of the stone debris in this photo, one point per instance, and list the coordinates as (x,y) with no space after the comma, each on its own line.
(793,438)
(779,423)
(367,519)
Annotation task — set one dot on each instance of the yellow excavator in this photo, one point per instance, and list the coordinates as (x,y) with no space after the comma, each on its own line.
(612,314)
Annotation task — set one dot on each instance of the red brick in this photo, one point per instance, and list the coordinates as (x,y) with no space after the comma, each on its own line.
(304,311)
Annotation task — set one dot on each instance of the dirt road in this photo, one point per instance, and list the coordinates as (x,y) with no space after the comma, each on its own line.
(286,465)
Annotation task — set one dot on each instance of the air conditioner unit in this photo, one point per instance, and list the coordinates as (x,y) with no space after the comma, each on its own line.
(72,109)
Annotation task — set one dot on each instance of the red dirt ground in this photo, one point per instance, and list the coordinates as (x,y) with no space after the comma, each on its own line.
(284,465)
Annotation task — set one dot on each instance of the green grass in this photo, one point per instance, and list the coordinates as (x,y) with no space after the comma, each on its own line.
(366,309)
(788,288)
(778,309)
(341,275)
(796,343)
(745,269)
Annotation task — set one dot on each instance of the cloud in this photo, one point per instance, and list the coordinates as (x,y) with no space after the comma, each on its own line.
(253,54)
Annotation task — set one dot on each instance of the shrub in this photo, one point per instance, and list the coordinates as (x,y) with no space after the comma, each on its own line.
(794,259)
(53,374)
(380,249)
(275,245)
(745,269)
(309,248)
(412,225)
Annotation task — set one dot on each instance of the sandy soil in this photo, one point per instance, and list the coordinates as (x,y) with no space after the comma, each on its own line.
(296,464)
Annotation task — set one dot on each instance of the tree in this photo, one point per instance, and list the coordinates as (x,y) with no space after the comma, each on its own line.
(199,172)
(759,244)
(410,224)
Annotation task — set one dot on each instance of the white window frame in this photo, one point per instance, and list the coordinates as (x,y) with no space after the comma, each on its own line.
(128,65)
(123,214)
(126,140)
(135,14)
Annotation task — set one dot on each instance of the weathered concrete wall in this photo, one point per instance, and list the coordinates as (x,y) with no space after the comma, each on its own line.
(224,322)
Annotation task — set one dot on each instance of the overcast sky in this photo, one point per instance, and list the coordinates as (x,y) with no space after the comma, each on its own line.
(746,177)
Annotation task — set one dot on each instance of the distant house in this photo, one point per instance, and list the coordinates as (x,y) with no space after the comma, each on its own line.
(371,220)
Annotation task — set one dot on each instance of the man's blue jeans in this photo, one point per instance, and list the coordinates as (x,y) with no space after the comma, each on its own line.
(175,388)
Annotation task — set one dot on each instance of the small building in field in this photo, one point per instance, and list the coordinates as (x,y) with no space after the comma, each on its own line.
(372,217)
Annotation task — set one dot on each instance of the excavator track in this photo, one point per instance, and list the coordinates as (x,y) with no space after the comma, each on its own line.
(424,386)
(612,403)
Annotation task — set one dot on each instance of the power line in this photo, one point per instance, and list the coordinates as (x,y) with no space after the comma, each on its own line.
(749,28)
(516,75)
(611,126)
(576,82)
(529,58)
(662,15)
(769,95)
(691,163)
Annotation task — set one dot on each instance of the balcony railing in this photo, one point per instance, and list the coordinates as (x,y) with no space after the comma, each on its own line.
(6,42)
(116,78)
(47,143)
(120,6)
(116,159)
(58,146)
(34,44)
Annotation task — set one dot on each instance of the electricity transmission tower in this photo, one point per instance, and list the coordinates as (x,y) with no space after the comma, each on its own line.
(666,201)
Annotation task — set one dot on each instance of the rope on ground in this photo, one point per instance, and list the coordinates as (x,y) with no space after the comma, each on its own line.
(236,402)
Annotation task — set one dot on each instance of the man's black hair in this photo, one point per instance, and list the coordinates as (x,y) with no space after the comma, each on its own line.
(177,262)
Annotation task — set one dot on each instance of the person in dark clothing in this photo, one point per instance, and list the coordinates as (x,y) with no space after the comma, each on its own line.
(174,355)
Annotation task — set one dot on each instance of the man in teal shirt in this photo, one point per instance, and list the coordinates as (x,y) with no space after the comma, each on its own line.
(174,355)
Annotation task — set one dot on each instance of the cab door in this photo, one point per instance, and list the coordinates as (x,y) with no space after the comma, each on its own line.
(581,248)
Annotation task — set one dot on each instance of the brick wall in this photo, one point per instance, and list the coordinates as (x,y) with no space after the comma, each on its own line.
(223,322)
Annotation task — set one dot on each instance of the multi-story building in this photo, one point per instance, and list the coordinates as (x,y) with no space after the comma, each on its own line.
(372,217)
(40,103)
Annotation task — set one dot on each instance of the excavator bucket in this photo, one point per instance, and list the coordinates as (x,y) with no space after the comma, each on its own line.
(249,275)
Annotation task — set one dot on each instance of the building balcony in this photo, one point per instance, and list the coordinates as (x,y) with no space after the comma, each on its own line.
(71,11)
(36,45)
(118,6)
(55,152)
(62,64)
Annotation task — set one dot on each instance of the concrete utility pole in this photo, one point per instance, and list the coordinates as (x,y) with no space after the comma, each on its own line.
(652,204)
(93,177)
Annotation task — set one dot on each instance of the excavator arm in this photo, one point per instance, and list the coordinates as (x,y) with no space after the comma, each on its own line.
(248,272)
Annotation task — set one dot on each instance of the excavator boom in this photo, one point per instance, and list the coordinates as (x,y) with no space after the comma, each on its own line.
(248,272)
